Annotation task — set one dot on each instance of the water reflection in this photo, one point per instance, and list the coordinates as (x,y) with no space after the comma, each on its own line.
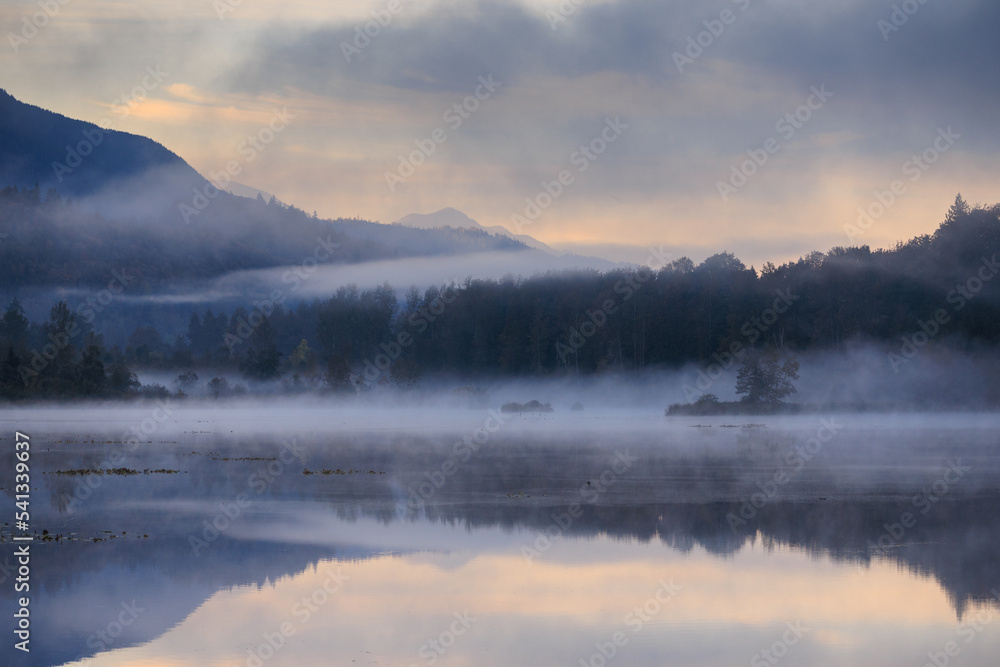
(537,550)
(495,608)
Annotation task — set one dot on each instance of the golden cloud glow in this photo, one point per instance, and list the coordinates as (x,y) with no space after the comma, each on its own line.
(389,606)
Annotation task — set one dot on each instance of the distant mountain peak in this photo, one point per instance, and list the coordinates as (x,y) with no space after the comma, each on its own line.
(451,217)
(243,190)
(446,217)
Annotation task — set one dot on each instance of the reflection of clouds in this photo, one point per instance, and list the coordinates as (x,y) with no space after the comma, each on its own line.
(734,601)
(389,606)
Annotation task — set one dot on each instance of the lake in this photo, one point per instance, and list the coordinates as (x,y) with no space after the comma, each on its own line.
(300,534)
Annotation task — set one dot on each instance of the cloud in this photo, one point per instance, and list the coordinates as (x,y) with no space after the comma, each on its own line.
(657,185)
(944,55)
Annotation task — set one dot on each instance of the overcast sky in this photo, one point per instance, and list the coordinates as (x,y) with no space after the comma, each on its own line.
(676,114)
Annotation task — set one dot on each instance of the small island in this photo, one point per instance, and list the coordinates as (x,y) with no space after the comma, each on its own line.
(530,406)
(763,380)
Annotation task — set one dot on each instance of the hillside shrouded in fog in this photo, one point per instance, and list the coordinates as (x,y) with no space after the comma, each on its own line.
(499,332)
(172,277)
(922,301)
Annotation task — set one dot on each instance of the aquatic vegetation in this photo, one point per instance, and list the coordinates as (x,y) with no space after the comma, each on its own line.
(530,406)
(114,471)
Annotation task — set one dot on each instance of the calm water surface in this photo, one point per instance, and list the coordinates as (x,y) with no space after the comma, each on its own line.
(305,536)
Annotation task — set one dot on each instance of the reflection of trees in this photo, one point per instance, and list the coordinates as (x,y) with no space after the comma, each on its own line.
(61,491)
(62,487)
(680,493)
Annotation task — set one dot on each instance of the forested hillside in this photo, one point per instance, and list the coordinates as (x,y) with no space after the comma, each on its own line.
(49,241)
(932,290)
(80,158)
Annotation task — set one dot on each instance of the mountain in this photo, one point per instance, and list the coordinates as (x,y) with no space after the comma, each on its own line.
(50,242)
(449,217)
(241,190)
(80,204)
(81,159)
(136,204)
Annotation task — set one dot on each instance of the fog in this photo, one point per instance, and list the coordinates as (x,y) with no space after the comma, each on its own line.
(394,448)
(310,281)
(445,480)
(859,379)
(439,413)
(263,394)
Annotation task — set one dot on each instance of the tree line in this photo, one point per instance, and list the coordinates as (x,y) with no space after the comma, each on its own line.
(621,321)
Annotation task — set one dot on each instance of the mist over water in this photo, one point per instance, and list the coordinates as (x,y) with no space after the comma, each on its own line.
(352,513)
(240,433)
(859,378)
(271,496)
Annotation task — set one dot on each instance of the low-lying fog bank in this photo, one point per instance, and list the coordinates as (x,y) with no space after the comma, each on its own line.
(614,418)
(858,379)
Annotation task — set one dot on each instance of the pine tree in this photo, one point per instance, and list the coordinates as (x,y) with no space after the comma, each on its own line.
(262,356)
(338,374)
(14,325)
(11,385)
(959,210)
(92,379)
(761,379)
